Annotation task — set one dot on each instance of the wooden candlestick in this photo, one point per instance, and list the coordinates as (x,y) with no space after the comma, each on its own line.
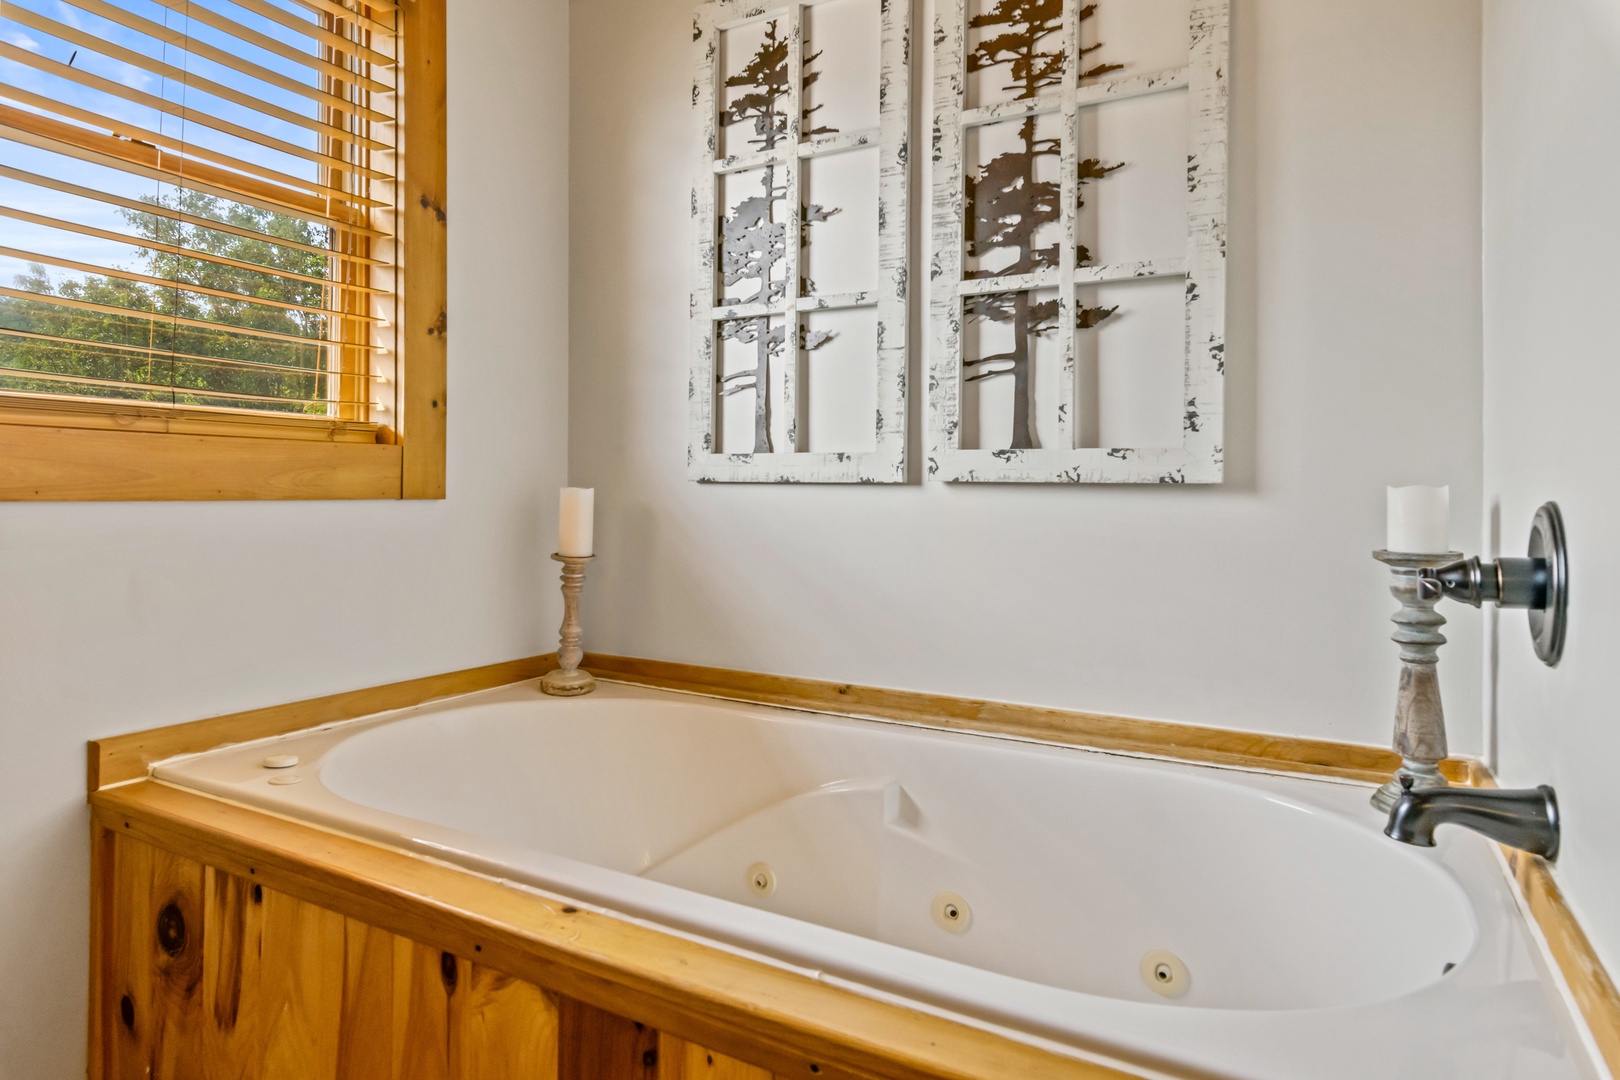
(1420,722)
(568,680)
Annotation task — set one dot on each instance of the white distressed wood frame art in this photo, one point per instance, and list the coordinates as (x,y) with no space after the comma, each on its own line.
(751,286)
(1054,81)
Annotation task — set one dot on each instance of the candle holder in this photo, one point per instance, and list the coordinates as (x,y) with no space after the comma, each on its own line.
(568,680)
(1420,722)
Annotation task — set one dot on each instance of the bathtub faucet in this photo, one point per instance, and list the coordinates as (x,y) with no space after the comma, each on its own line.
(1526,818)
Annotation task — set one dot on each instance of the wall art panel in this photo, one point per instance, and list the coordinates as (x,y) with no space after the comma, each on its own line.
(1078,272)
(799,299)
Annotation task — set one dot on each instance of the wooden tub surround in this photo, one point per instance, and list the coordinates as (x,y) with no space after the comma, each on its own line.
(267,948)
(230,942)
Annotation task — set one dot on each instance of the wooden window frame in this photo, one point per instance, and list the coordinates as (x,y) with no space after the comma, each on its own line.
(88,451)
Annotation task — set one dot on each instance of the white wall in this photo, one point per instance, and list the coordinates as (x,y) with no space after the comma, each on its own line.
(1353,360)
(1552,377)
(121,617)
(1354,273)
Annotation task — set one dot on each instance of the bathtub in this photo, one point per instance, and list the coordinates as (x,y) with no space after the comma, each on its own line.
(1239,923)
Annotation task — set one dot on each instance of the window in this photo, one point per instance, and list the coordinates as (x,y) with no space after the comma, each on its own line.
(221,249)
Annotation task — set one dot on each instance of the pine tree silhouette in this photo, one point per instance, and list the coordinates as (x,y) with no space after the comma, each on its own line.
(1010,205)
(753,243)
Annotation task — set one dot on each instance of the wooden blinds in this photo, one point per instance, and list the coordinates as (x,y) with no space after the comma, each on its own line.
(198,203)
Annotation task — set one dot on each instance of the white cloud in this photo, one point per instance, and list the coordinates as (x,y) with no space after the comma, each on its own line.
(135,78)
(66,14)
(22,41)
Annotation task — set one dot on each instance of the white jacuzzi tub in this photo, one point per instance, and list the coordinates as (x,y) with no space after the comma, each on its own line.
(1301,941)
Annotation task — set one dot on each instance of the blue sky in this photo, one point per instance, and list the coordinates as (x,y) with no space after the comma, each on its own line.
(16,74)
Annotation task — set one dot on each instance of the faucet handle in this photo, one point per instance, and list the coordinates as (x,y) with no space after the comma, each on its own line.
(1538,581)
(1468,580)
(1511,583)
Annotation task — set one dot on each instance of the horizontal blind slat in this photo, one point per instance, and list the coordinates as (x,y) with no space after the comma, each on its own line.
(177,320)
(60,70)
(151,66)
(364,22)
(309,59)
(317,32)
(344,11)
(175,215)
(124,414)
(165,354)
(118,154)
(82,229)
(175,283)
(160,388)
(159,32)
(131,133)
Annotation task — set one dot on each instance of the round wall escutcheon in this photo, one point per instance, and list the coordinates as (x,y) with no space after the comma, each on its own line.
(1549,623)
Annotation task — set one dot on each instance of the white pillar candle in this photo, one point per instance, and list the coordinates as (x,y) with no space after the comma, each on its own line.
(576,522)
(1419,520)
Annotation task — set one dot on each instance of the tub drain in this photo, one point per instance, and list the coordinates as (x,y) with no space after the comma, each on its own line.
(951,913)
(761,879)
(1165,973)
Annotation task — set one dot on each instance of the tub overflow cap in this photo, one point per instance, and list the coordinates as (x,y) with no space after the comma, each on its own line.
(761,879)
(280,761)
(951,913)
(1165,974)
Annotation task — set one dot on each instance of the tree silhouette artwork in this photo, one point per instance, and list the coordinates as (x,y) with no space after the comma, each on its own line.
(1011,204)
(753,242)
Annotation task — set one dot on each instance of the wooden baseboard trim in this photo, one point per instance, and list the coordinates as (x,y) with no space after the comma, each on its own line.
(121,758)
(1096,731)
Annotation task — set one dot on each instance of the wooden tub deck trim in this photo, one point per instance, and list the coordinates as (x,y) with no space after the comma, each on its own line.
(121,758)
